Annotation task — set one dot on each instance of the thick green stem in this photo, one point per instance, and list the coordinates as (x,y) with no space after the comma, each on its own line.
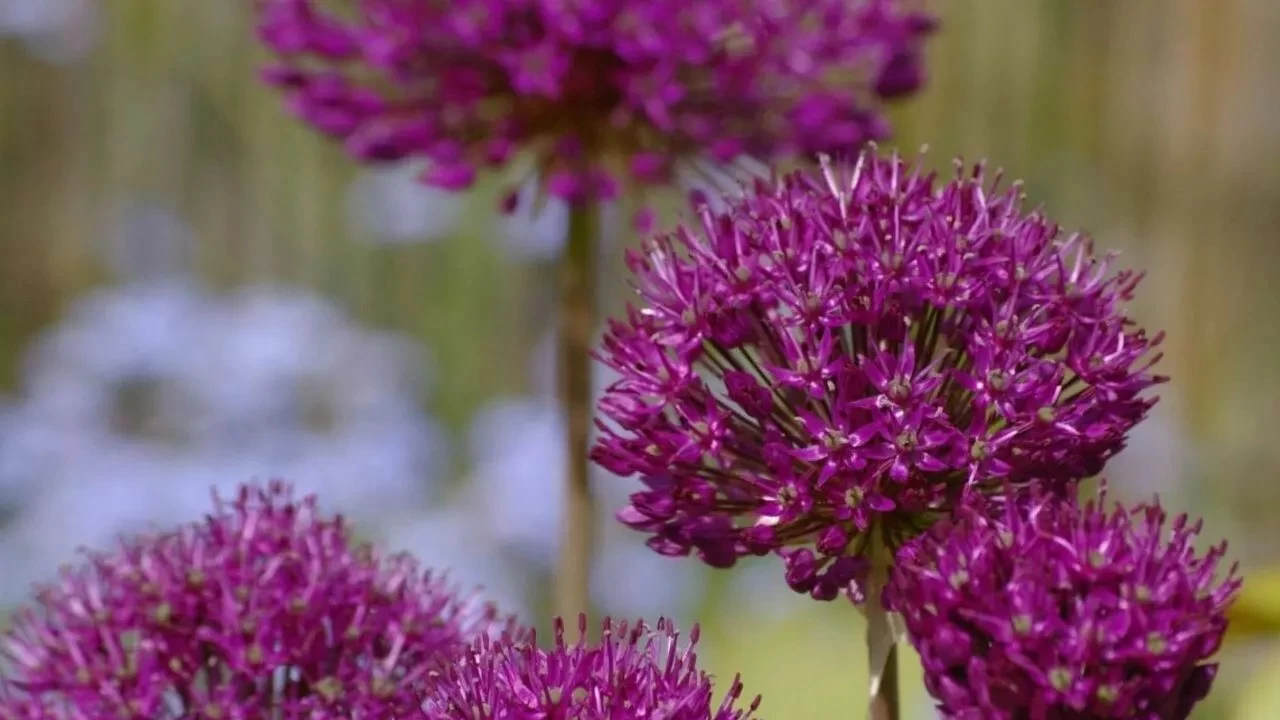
(885,704)
(576,323)
(882,634)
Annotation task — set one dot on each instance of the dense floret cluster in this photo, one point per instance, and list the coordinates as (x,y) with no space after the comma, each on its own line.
(266,609)
(597,91)
(827,366)
(1057,610)
(632,672)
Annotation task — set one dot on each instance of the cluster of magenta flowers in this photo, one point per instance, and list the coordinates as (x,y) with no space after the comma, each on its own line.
(832,363)
(269,609)
(595,91)
(877,374)
(633,672)
(267,606)
(1046,608)
(870,369)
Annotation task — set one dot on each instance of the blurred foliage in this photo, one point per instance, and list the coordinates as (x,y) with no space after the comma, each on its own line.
(1260,696)
(1153,123)
(1257,612)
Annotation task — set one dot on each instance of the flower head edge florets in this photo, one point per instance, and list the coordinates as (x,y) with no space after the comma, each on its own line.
(633,670)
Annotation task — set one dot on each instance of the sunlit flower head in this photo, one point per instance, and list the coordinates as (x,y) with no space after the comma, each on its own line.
(825,367)
(1046,608)
(592,92)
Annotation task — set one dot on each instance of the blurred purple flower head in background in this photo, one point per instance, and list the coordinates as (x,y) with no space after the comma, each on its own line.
(633,672)
(265,608)
(826,367)
(592,92)
(1047,608)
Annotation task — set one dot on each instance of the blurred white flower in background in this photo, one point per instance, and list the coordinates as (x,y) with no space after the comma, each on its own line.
(457,537)
(148,394)
(389,205)
(1160,457)
(118,366)
(308,396)
(147,240)
(515,453)
(517,445)
(88,498)
(757,589)
(57,31)
(16,456)
(536,229)
(393,207)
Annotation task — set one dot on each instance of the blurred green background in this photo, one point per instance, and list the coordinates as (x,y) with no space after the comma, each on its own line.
(1154,124)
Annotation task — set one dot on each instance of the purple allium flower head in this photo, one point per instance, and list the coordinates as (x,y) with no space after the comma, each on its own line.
(1047,608)
(266,609)
(633,672)
(830,364)
(597,90)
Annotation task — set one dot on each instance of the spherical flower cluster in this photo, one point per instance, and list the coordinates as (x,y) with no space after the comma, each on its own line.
(832,362)
(266,609)
(633,672)
(596,90)
(1049,609)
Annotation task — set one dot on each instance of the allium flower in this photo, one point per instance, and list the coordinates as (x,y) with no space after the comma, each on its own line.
(266,609)
(831,363)
(595,90)
(1047,609)
(633,672)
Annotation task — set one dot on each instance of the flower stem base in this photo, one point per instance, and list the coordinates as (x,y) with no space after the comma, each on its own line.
(886,702)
